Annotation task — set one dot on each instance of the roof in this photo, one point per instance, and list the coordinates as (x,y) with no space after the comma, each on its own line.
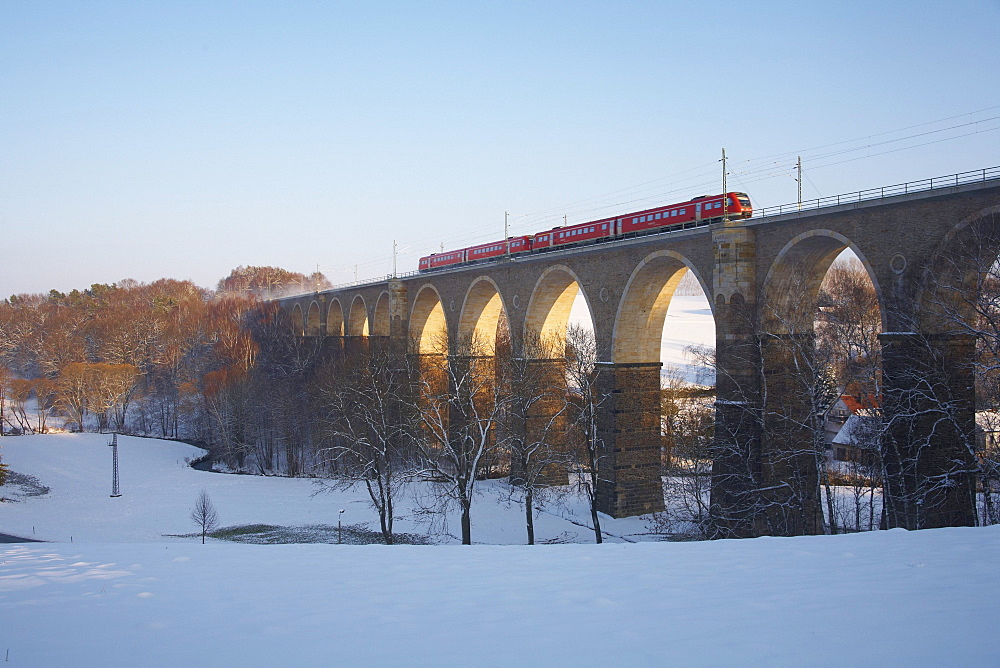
(858,404)
(856,432)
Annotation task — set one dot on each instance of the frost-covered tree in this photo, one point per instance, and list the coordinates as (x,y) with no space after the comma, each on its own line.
(535,425)
(366,423)
(585,400)
(459,406)
(204,515)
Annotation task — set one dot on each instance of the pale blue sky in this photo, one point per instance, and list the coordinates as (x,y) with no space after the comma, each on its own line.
(181,139)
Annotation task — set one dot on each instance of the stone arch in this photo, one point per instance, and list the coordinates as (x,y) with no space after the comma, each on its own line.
(481,314)
(791,286)
(642,311)
(313,320)
(953,279)
(335,318)
(550,304)
(298,319)
(428,323)
(357,321)
(380,319)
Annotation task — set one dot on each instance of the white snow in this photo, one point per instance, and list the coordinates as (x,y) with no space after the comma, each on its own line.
(124,594)
(159,489)
(689,324)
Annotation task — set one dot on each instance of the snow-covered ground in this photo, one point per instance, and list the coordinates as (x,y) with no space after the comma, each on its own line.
(124,594)
(689,323)
(159,489)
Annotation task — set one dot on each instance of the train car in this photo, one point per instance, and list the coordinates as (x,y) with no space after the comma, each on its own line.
(498,249)
(522,244)
(575,234)
(698,211)
(441,260)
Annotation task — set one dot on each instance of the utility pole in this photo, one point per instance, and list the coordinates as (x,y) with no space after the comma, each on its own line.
(394,258)
(115,493)
(506,233)
(798,168)
(355,273)
(725,189)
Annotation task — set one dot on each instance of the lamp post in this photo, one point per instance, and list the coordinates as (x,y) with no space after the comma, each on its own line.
(114,466)
(339,515)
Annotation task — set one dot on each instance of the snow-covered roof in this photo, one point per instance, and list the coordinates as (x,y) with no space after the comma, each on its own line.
(855,432)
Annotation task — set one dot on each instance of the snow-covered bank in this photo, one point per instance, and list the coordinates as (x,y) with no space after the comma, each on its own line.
(159,489)
(890,598)
(124,593)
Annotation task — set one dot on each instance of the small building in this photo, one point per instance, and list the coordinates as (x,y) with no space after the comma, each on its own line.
(857,440)
(852,430)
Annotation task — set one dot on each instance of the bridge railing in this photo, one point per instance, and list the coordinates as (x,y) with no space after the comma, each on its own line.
(975,176)
(950,181)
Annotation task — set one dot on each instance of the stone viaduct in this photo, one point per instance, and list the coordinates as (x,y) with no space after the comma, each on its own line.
(760,274)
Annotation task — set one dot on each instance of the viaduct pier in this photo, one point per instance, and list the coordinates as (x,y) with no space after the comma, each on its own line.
(922,244)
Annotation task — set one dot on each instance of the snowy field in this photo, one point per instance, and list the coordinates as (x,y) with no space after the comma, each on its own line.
(159,490)
(689,322)
(125,593)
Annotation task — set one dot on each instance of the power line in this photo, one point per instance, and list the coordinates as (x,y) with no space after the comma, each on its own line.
(701,177)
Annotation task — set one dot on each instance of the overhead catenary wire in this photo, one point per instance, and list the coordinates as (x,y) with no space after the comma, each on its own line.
(702,177)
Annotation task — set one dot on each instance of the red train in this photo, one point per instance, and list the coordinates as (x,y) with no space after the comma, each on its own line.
(698,211)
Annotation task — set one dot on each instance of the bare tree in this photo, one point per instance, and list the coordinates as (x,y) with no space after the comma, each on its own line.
(536,426)
(5,377)
(204,515)
(459,406)
(586,399)
(942,367)
(688,422)
(769,455)
(367,425)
